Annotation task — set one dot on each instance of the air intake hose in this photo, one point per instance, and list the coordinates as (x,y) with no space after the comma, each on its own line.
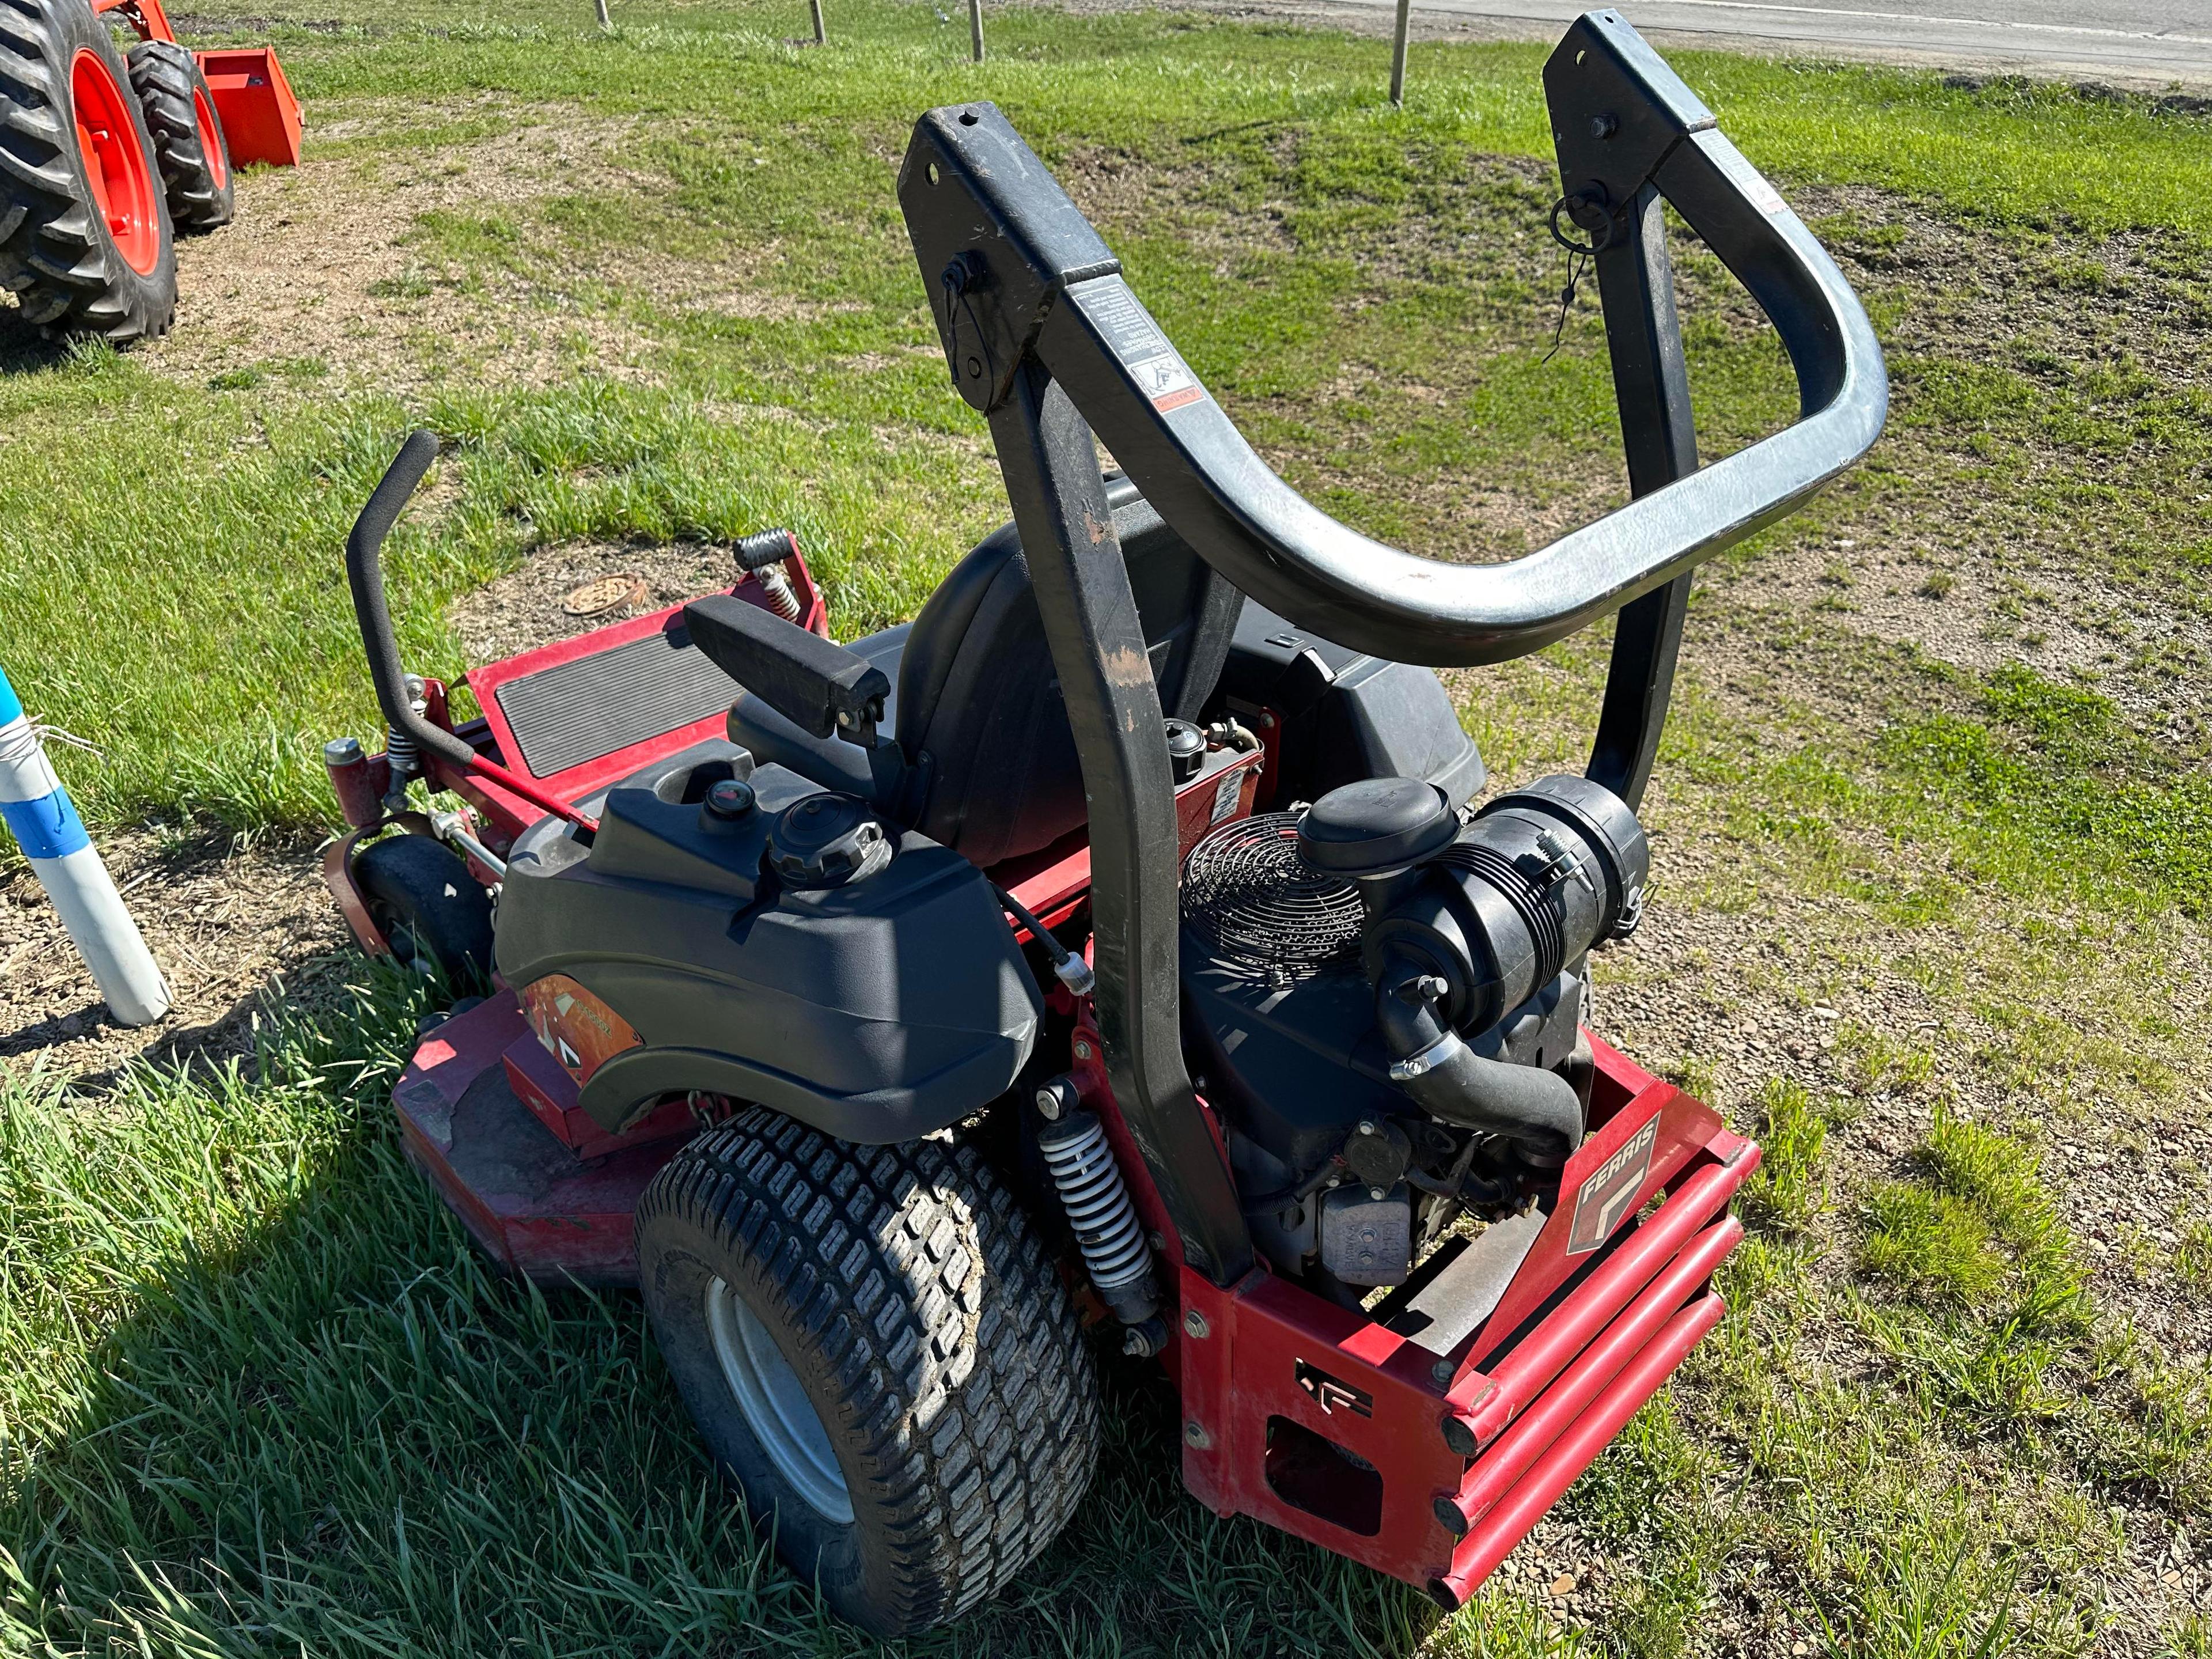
(1537,1110)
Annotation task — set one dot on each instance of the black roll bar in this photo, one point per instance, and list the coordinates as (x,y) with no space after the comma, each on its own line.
(1065,300)
(1043,335)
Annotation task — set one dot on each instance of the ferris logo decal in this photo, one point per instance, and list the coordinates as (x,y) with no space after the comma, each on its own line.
(1605,1199)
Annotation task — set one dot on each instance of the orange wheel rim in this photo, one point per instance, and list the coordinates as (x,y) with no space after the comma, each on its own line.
(210,140)
(115,163)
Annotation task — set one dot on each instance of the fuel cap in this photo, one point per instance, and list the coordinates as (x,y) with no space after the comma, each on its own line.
(1185,750)
(827,839)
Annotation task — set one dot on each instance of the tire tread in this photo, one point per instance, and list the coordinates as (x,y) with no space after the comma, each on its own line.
(166,77)
(975,1414)
(64,268)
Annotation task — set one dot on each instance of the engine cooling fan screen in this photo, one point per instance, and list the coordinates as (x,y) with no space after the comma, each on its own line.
(1251,900)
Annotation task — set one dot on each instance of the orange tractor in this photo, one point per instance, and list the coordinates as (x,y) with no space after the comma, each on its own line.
(105,158)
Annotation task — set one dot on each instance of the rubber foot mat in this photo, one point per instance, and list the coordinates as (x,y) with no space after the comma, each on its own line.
(573,713)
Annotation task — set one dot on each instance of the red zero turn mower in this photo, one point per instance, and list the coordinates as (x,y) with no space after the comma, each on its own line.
(992,977)
(104,159)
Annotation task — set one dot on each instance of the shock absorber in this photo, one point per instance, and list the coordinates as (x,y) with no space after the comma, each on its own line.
(1081,1160)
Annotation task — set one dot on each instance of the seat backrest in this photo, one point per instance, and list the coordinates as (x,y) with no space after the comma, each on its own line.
(979,702)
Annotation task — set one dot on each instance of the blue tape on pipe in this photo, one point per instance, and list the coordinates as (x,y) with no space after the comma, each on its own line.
(48,828)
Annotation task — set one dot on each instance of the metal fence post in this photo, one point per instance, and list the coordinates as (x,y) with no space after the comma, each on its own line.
(975,28)
(1398,52)
(606,24)
(821,28)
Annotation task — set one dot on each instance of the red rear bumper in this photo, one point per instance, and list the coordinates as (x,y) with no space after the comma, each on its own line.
(1427,1451)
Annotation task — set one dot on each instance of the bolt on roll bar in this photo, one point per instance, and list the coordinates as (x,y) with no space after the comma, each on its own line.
(1044,337)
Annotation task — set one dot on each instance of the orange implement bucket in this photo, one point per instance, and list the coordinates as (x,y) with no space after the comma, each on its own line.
(260,116)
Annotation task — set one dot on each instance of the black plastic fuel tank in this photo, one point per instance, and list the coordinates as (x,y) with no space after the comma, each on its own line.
(877,1007)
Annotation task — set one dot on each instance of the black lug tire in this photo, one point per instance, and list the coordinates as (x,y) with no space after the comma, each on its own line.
(171,92)
(430,909)
(925,1324)
(56,250)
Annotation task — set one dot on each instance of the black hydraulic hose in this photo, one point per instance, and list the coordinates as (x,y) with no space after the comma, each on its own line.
(365,575)
(1536,1110)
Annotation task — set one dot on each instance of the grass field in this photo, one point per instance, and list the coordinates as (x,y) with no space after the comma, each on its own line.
(1934,823)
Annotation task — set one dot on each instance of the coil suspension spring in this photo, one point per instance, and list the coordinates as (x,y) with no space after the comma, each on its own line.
(1107,1231)
(763,553)
(401,752)
(777,586)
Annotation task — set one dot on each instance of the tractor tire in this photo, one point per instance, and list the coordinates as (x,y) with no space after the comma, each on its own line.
(188,142)
(874,1344)
(429,908)
(85,236)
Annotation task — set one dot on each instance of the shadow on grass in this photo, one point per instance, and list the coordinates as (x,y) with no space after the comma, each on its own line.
(23,350)
(313,1421)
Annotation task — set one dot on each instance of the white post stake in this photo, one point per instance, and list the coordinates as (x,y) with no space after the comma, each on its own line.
(975,28)
(821,25)
(1398,53)
(37,811)
(606,24)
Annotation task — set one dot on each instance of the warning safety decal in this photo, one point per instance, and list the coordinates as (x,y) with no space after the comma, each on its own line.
(1130,332)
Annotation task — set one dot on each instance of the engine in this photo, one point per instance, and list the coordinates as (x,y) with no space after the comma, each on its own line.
(1384,1001)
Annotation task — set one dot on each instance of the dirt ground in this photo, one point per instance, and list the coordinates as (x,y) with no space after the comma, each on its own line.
(233,931)
(263,298)
(526,607)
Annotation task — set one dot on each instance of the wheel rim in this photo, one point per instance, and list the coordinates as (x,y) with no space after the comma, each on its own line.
(210,140)
(115,164)
(774,1405)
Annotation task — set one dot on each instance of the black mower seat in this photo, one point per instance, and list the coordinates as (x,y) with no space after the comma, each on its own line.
(976,701)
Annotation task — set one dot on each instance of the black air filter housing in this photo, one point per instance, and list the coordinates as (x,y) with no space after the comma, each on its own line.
(1541,875)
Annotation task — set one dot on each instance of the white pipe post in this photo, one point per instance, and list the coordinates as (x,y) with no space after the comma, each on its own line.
(1398,53)
(38,813)
(821,25)
(606,24)
(975,28)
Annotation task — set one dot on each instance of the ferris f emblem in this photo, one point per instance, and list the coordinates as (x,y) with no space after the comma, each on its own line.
(1608,1196)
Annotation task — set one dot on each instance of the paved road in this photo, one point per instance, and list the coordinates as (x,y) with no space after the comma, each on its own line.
(2143,43)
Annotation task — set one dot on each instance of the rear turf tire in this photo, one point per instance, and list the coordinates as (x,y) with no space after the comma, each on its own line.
(71,134)
(188,142)
(429,908)
(945,1421)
